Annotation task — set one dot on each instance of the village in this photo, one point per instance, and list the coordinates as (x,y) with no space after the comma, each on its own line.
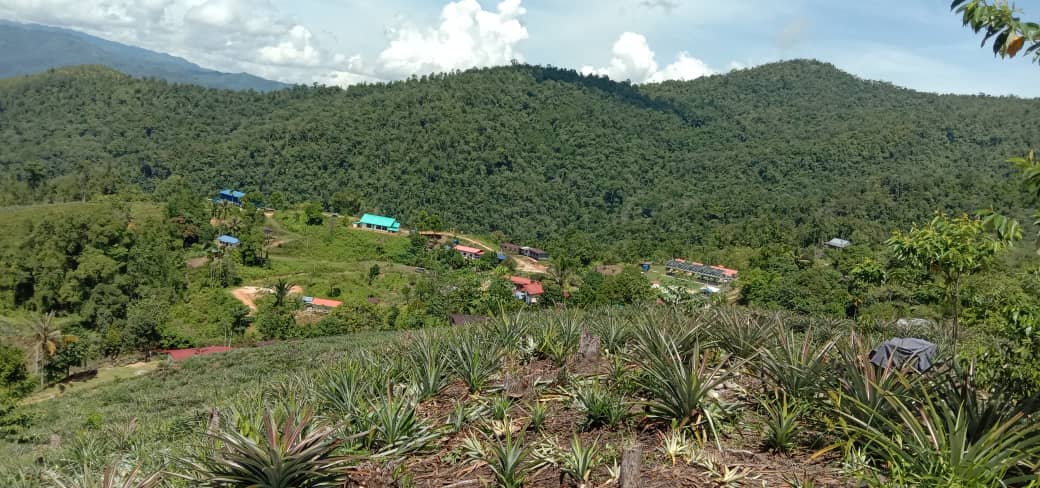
(678,280)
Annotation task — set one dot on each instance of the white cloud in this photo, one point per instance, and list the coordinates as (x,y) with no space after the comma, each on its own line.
(633,60)
(295,49)
(467,36)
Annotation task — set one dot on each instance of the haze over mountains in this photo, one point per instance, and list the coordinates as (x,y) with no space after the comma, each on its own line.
(30,48)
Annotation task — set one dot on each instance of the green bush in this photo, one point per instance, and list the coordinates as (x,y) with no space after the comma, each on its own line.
(351,316)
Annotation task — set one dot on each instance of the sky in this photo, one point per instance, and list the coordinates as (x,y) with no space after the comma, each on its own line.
(918,44)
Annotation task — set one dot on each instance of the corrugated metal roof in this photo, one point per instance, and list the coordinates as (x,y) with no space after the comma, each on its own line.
(232,193)
(325,302)
(378,220)
(471,250)
(226,239)
(533,288)
(519,280)
(839,243)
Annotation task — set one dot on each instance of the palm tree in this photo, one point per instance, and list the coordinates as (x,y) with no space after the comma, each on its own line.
(43,333)
(223,209)
(281,290)
(561,269)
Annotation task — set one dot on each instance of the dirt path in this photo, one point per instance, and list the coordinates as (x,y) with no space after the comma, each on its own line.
(529,265)
(248,294)
(104,375)
(470,240)
(523,263)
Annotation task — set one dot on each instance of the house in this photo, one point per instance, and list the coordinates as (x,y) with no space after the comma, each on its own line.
(469,252)
(322,303)
(510,247)
(182,354)
(838,243)
(460,319)
(526,289)
(378,222)
(700,271)
(228,241)
(232,196)
(534,253)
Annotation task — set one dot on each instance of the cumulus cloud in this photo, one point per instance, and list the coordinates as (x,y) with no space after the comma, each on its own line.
(467,36)
(634,60)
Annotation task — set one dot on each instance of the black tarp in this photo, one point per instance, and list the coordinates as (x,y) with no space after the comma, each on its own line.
(900,350)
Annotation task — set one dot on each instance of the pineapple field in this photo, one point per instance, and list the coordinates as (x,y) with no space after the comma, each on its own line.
(648,396)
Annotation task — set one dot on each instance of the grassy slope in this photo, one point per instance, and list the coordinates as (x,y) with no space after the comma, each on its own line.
(319,261)
(170,403)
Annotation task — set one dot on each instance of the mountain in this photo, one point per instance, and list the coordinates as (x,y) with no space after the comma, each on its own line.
(29,48)
(788,153)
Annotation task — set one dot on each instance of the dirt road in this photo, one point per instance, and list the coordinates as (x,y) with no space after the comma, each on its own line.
(523,263)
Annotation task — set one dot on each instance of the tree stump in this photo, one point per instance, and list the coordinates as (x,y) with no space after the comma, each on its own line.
(631,465)
(513,387)
(214,423)
(588,347)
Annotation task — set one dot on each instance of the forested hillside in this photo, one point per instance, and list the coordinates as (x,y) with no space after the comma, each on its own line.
(789,152)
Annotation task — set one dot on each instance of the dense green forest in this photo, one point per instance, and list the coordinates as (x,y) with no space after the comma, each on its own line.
(793,152)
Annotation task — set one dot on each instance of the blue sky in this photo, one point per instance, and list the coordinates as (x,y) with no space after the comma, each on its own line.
(915,43)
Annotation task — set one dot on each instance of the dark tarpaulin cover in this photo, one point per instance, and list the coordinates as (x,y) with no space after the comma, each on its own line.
(903,349)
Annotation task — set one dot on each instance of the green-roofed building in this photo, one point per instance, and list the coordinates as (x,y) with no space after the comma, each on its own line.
(378,222)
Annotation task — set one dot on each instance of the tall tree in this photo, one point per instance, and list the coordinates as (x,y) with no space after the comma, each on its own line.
(951,248)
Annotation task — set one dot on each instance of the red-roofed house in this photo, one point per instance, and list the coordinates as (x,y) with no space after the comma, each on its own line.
(469,252)
(526,289)
(520,280)
(182,354)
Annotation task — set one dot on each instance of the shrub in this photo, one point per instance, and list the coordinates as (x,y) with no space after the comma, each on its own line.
(395,430)
(474,362)
(537,411)
(276,324)
(351,316)
(799,367)
(429,371)
(949,436)
(600,406)
(509,460)
(679,388)
(781,422)
(580,460)
(298,452)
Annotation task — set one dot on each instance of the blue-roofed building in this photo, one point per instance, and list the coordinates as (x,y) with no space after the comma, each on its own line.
(228,241)
(233,196)
(378,222)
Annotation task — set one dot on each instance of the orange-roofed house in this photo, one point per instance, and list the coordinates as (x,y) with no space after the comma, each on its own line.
(526,289)
(323,303)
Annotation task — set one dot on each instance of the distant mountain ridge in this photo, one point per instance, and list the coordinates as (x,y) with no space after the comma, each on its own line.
(30,48)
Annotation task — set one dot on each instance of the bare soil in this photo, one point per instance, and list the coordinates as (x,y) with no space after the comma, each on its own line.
(444,465)
(248,294)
